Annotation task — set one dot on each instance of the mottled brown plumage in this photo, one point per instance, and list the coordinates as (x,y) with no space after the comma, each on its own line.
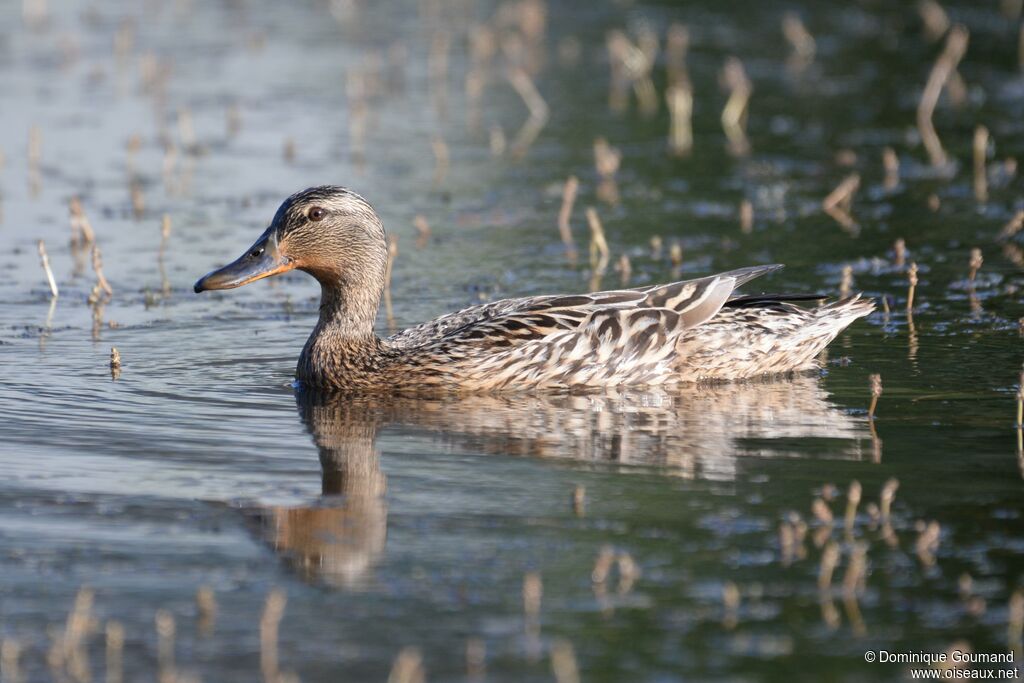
(663,335)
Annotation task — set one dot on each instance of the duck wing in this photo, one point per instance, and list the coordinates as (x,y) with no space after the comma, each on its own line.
(631,315)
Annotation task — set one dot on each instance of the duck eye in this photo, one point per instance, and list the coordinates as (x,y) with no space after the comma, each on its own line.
(316,213)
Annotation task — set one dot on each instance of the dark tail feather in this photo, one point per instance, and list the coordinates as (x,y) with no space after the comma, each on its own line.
(769,299)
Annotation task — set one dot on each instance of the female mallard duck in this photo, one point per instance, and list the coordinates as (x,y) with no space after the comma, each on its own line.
(662,335)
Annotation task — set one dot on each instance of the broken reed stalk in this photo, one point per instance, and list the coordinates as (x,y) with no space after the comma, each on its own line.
(1012,227)
(625,268)
(599,252)
(853,496)
(538,108)
(115,652)
(206,606)
(392,255)
(165,233)
(165,631)
(569,191)
(45,261)
(10,651)
(115,362)
(563,662)
(730,604)
(273,611)
(856,571)
(801,40)
(579,500)
(891,164)
(419,222)
(912,279)
(408,667)
(839,201)
(945,65)
(533,591)
(975,262)
(846,282)
(746,217)
(899,249)
(476,659)
(81,229)
(679,99)
(441,159)
(1020,401)
(980,171)
(829,561)
(734,115)
(97,266)
(934,18)
(875,380)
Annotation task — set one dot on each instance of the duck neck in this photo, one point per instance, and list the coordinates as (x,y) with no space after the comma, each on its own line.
(347,313)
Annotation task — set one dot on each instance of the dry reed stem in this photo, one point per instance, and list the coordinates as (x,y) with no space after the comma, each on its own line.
(533,591)
(441,159)
(599,252)
(912,280)
(10,651)
(1014,226)
(186,130)
(934,19)
(70,648)
(81,229)
(408,667)
(734,115)
(980,148)
(603,565)
(165,632)
(846,281)
(856,571)
(97,266)
(899,249)
(821,511)
(388,269)
(1015,620)
(496,141)
(875,380)
(842,196)
(887,496)
(801,40)
(579,500)
(730,604)
(829,561)
(853,496)
(974,263)
(45,261)
(422,227)
(476,659)
(538,108)
(746,217)
(679,99)
(115,652)
(273,611)
(625,268)
(563,662)
(891,164)
(927,543)
(675,254)
(232,120)
(138,200)
(288,152)
(206,606)
(677,44)
(1020,400)
(945,65)
(35,156)
(569,192)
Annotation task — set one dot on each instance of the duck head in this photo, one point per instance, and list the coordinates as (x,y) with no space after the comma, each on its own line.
(329,232)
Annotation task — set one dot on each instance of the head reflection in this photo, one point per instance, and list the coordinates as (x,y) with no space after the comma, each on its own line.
(703,432)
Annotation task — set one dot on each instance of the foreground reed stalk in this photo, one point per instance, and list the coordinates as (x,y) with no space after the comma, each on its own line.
(876,392)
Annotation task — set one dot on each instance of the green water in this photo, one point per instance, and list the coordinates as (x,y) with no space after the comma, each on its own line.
(414,523)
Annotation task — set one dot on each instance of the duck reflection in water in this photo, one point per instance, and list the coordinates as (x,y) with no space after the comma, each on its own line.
(704,432)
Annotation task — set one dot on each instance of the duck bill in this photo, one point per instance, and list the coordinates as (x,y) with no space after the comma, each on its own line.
(261,260)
